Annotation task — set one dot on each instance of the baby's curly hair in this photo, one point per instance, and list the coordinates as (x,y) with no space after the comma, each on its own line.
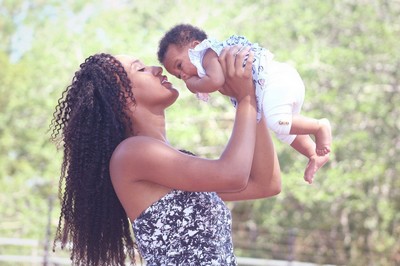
(180,35)
(90,120)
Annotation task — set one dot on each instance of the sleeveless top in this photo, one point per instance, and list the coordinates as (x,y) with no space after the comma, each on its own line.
(262,58)
(185,228)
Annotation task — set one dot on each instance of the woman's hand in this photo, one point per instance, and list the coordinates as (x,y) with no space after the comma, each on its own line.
(238,79)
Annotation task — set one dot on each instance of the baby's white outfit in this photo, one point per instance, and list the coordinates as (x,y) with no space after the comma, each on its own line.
(279,87)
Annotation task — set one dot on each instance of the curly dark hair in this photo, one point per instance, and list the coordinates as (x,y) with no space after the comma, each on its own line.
(180,35)
(90,120)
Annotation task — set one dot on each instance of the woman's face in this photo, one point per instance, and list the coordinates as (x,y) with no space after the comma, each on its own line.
(150,87)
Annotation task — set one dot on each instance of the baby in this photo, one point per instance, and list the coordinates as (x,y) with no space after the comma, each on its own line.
(187,54)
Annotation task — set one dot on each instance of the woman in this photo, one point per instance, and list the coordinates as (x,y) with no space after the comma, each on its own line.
(118,166)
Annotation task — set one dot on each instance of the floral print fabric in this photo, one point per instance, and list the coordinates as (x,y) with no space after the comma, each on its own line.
(185,228)
(262,57)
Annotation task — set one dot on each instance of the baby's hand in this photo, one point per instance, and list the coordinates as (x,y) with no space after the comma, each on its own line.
(200,95)
(203,96)
(189,83)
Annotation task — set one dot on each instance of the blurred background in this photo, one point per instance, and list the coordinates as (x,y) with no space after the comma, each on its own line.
(347,52)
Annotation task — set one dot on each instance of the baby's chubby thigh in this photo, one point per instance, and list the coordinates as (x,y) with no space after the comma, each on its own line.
(279,120)
(283,97)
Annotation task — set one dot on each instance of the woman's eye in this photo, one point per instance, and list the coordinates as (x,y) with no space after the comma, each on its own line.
(179,66)
(141,69)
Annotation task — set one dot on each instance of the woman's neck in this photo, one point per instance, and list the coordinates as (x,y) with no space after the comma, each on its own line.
(150,125)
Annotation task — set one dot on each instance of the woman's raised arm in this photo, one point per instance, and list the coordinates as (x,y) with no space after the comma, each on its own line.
(265,176)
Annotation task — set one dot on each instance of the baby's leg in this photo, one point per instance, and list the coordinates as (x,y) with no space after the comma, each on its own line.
(282,103)
(320,128)
(323,137)
(314,163)
(283,96)
(306,146)
(301,143)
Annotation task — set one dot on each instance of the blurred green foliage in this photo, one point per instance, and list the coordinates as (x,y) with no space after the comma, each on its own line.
(347,53)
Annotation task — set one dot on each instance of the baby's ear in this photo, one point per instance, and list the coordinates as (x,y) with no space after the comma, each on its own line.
(194,43)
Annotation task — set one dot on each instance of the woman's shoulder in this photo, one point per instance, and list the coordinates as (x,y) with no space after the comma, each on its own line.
(137,140)
(134,139)
(137,146)
(135,154)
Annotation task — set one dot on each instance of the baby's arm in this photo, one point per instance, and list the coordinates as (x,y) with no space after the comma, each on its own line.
(214,78)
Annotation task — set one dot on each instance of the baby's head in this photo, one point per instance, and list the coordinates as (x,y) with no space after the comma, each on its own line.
(174,46)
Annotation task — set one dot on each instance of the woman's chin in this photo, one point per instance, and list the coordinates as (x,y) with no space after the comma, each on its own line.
(173,96)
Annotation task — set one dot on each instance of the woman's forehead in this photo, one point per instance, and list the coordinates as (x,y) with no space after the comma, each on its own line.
(126,59)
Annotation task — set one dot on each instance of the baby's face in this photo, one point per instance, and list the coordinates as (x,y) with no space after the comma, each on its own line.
(177,62)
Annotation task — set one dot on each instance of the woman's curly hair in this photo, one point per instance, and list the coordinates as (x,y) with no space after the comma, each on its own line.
(90,120)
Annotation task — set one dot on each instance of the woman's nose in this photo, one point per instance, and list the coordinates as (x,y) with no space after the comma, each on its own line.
(157,70)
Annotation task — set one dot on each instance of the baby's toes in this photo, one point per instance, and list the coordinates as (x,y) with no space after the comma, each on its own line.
(323,151)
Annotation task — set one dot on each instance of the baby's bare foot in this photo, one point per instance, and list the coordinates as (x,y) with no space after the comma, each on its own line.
(323,138)
(315,162)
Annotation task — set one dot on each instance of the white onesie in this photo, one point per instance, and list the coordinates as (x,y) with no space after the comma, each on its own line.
(279,87)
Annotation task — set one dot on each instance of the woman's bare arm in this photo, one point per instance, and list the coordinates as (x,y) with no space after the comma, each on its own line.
(265,177)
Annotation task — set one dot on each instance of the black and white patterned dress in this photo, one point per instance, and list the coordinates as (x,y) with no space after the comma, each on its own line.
(185,228)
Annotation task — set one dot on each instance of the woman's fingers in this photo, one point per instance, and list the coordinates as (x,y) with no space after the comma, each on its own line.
(244,60)
(248,63)
(227,60)
(236,63)
(236,59)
